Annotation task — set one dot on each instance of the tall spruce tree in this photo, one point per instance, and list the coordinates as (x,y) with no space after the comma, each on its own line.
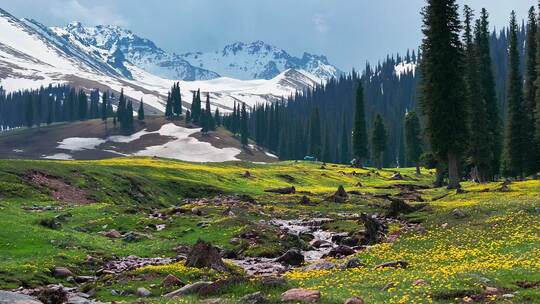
(378,140)
(104,107)
(536,141)
(345,137)
(479,147)
(360,140)
(244,131)
(83,105)
(315,144)
(121,109)
(208,114)
(176,97)
(443,99)
(169,106)
(530,165)
(516,141)
(140,112)
(413,139)
(489,95)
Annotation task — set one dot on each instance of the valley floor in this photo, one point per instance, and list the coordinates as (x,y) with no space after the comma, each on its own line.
(482,245)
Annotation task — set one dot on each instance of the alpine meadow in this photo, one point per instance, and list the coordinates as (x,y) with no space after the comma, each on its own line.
(207,152)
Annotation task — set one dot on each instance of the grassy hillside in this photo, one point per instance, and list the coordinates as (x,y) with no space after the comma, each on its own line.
(55,213)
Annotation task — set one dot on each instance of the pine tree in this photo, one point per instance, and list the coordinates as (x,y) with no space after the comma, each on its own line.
(530,165)
(211,125)
(515,143)
(443,100)
(360,141)
(217,117)
(168,106)
(176,97)
(127,125)
(315,148)
(378,140)
(121,109)
(188,116)
(29,111)
(345,136)
(413,139)
(488,94)
(104,107)
(50,112)
(244,132)
(83,105)
(536,142)
(140,112)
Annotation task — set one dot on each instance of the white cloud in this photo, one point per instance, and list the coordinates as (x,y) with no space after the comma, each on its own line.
(90,14)
(321,24)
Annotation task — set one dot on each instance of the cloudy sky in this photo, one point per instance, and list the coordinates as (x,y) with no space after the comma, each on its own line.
(348,32)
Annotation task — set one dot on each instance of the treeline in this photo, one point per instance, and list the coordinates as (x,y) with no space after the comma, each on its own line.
(63,103)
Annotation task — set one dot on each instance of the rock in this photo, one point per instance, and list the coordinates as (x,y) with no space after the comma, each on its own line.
(61,272)
(420,282)
(254,298)
(508,295)
(80,300)
(273,281)
(84,279)
(246,174)
(317,243)
(113,234)
(171,280)
(306,236)
(396,176)
(491,290)
(134,237)
(458,214)
(285,190)
(188,289)
(143,292)
(375,230)
(341,251)
(305,200)
(196,211)
(336,238)
(8,297)
(301,295)
(353,263)
(394,264)
(53,295)
(292,257)
(204,255)
(349,241)
(354,300)
(324,265)
(229,254)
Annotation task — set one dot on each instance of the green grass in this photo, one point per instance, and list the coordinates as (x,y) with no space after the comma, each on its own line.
(497,244)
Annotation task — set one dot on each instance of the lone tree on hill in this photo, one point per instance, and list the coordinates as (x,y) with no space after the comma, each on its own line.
(140,112)
(443,98)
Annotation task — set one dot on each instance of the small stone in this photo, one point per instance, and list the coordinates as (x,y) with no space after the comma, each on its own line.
(491,290)
(467,299)
(458,214)
(196,211)
(188,289)
(354,300)
(143,292)
(508,295)
(254,298)
(84,279)
(113,234)
(170,280)
(301,295)
(353,263)
(444,225)
(62,272)
(420,282)
(394,264)
(273,281)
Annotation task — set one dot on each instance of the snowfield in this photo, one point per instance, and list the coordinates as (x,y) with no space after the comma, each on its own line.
(181,146)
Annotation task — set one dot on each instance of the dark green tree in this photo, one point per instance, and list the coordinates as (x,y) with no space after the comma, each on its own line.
(169,106)
(530,165)
(244,132)
(345,137)
(315,148)
(413,139)
(516,141)
(104,107)
(442,85)
(378,140)
(360,140)
(83,105)
(140,112)
(29,111)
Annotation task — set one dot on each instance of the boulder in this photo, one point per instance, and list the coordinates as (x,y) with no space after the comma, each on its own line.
(254,298)
(143,292)
(246,174)
(84,279)
(204,255)
(196,211)
(171,280)
(354,300)
(458,214)
(188,289)
(113,234)
(394,264)
(317,243)
(8,297)
(301,295)
(284,190)
(350,241)
(292,257)
(62,272)
(133,236)
(353,263)
(341,251)
(273,281)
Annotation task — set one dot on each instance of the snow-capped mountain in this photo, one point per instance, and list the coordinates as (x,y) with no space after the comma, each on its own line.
(258,60)
(118,43)
(109,58)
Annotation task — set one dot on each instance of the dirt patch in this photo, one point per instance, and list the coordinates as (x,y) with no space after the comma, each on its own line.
(58,188)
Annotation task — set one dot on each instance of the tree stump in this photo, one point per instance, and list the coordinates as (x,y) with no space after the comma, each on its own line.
(204,255)
(375,230)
